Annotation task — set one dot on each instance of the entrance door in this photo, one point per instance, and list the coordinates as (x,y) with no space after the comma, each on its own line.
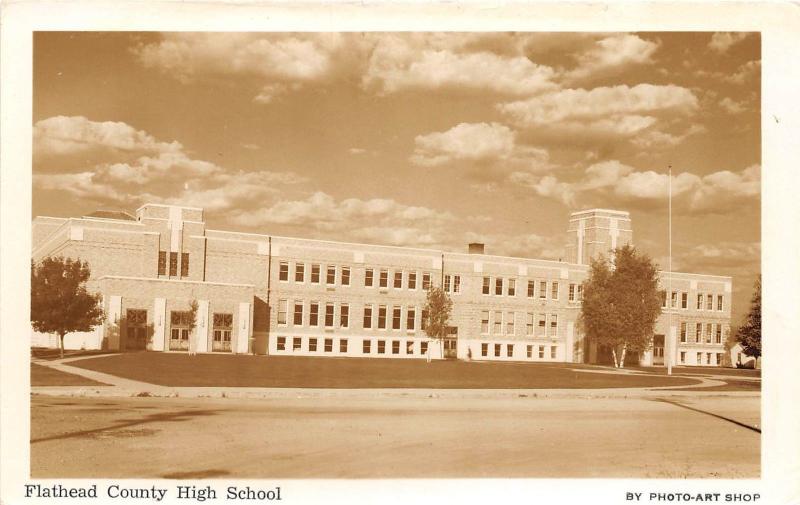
(658,349)
(179,330)
(136,330)
(450,347)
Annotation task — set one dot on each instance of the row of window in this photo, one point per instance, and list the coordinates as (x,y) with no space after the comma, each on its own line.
(508,287)
(173,264)
(703,333)
(705,301)
(699,358)
(507,350)
(312,344)
(341,275)
(385,317)
(498,322)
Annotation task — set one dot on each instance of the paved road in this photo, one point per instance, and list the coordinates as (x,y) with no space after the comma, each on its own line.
(394,437)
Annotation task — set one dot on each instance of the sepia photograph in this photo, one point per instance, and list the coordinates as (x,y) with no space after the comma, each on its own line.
(360,255)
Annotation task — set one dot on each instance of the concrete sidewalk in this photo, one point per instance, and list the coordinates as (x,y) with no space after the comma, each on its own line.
(120,387)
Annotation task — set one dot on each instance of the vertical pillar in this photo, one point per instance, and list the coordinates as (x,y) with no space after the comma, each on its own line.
(243,331)
(569,356)
(672,348)
(114,320)
(202,330)
(160,324)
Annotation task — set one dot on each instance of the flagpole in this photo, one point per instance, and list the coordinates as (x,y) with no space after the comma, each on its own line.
(670,351)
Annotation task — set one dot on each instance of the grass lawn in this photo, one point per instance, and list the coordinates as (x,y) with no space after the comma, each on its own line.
(177,369)
(49,354)
(46,376)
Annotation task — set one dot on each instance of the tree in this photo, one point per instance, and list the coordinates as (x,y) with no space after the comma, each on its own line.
(749,334)
(436,314)
(621,302)
(192,327)
(60,303)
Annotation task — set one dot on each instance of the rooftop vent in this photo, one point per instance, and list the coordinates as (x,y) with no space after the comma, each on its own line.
(476,248)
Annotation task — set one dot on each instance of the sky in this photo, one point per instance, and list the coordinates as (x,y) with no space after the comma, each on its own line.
(429,140)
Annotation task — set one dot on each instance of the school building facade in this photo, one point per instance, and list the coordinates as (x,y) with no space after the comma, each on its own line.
(264,294)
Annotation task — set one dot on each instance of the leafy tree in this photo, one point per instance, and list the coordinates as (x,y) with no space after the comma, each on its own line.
(749,334)
(60,303)
(436,314)
(192,327)
(621,302)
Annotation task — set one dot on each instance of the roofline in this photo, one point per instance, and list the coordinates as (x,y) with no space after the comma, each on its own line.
(620,212)
(691,273)
(167,205)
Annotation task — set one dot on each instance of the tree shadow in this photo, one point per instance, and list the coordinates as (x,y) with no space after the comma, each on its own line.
(183,415)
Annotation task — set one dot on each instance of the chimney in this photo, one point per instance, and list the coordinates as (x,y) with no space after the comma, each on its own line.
(476,248)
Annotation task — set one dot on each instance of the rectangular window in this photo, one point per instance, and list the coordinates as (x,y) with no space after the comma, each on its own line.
(498,322)
(512,287)
(580,292)
(173,264)
(298,313)
(529,323)
(497,349)
(710,302)
(719,302)
(396,317)
(542,326)
(709,333)
(314,274)
(542,289)
(447,283)
(328,345)
(412,280)
(381,347)
(411,318)
(664,299)
(423,348)
(383,280)
(698,333)
(699,358)
(409,347)
(426,281)
(312,345)
(719,358)
(484,322)
(683,332)
(484,350)
(330,278)
(345,276)
(382,317)
(718,334)
(553,325)
(299,272)
(281,343)
(344,316)
(367,317)
(179,332)
(184,264)
(509,350)
(366,346)
(498,286)
(674,300)
(554,291)
(684,300)
(283,271)
(162,262)
(329,315)
(553,351)
(699,302)
(398,280)
(487,283)
(369,278)
(297,344)
(529,351)
(395,347)
(708,358)
(683,357)
(282,304)
(223,327)
(541,352)
(456,284)
(343,345)
(571,294)
(509,323)
(424,320)
(531,287)
(313,314)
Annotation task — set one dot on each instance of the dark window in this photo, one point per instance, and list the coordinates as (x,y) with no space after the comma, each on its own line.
(297,344)
(173,264)
(343,345)
(381,347)
(509,350)
(487,282)
(396,318)
(423,348)
(345,276)
(497,349)
(315,274)
(409,347)
(162,262)
(312,345)
(368,277)
(426,281)
(367,316)
(298,314)
(329,315)
(344,315)
(531,285)
(398,280)
(283,271)
(424,321)
(395,347)
(331,277)
(223,326)
(299,272)
(313,315)
(484,349)
(184,264)
(328,345)
(384,279)
(412,280)
(512,287)
(281,343)
(542,289)
(366,346)
(382,317)
(411,314)
(498,286)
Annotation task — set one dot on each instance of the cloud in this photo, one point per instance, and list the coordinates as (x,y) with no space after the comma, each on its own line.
(271,92)
(616,111)
(613,52)
(657,139)
(484,149)
(402,62)
(731,106)
(728,255)
(744,72)
(722,41)
(615,182)
(356,151)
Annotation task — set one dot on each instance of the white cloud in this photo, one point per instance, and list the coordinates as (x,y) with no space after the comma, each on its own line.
(731,106)
(722,41)
(356,151)
(612,53)
(744,72)
(657,139)
(271,92)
